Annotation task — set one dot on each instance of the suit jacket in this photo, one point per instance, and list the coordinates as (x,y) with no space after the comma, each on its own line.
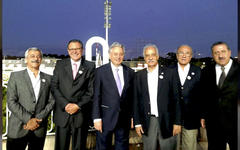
(188,95)
(168,109)
(220,104)
(67,90)
(108,105)
(23,106)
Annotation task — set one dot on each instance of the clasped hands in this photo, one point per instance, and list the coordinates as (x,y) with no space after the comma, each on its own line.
(71,108)
(32,124)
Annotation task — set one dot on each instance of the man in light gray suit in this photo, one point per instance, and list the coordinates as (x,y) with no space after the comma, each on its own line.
(30,102)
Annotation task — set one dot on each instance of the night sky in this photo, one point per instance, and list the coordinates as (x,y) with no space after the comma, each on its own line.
(50,24)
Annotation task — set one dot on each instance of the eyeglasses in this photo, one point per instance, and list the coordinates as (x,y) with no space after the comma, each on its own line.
(186,54)
(75,49)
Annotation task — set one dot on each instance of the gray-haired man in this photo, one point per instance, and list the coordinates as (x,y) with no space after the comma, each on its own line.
(30,102)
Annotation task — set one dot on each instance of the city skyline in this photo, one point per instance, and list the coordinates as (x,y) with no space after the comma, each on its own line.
(49,25)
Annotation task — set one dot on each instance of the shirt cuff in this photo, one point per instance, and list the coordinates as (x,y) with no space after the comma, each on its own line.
(97,120)
(138,125)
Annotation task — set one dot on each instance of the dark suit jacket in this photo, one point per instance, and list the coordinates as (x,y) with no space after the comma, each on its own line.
(23,106)
(220,104)
(78,91)
(108,105)
(189,96)
(168,108)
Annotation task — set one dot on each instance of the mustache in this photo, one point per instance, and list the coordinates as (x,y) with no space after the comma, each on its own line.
(35,61)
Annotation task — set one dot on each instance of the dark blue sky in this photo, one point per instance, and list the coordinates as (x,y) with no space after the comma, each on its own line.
(50,24)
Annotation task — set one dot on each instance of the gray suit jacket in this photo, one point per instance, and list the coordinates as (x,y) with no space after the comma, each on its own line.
(23,106)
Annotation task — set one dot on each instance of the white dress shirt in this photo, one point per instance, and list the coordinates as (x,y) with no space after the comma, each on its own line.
(152,78)
(35,82)
(183,73)
(219,71)
(120,72)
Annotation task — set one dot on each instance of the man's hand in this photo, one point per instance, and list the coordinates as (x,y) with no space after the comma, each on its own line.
(203,123)
(71,108)
(139,131)
(176,129)
(98,125)
(32,124)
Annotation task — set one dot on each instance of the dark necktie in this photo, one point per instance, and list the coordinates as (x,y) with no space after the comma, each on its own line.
(222,78)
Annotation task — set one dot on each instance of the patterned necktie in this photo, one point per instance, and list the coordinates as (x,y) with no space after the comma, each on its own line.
(74,70)
(118,81)
(222,77)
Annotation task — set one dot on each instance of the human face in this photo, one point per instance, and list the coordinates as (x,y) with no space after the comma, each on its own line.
(116,55)
(221,54)
(184,55)
(33,59)
(75,51)
(151,57)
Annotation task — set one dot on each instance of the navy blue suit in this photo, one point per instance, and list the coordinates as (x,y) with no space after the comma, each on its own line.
(114,110)
(168,109)
(189,96)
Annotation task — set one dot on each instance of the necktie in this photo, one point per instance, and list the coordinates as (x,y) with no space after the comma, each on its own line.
(74,70)
(118,81)
(222,78)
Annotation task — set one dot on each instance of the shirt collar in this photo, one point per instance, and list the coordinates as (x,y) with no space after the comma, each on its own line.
(77,62)
(30,73)
(114,67)
(227,66)
(187,67)
(154,70)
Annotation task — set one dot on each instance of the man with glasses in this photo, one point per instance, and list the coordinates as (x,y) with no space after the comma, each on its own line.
(186,83)
(219,92)
(30,101)
(72,86)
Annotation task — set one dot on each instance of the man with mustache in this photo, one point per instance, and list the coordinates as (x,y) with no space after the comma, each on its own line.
(219,90)
(156,115)
(30,101)
(72,86)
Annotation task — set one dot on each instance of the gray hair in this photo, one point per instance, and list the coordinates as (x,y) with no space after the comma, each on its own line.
(149,45)
(185,46)
(116,44)
(32,49)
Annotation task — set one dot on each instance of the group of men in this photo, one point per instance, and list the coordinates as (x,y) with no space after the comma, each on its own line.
(165,105)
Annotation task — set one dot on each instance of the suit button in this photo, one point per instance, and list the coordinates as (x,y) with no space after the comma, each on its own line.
(148,113)
(181,97)
(182,88)
(34,101)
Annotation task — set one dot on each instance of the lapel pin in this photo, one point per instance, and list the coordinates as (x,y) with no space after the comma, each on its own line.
(161,76)
(193,73)
(162,73)
(189,78)
(43,80)
(80,72)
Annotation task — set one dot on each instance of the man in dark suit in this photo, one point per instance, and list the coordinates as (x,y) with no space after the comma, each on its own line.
(187,83)
(156,114)
(220,94)
(30,101)
(112,105)
(72,86)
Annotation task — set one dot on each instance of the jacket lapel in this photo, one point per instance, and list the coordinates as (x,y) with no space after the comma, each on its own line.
(68,68)
(125,77)
(42,84)
(29,83)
